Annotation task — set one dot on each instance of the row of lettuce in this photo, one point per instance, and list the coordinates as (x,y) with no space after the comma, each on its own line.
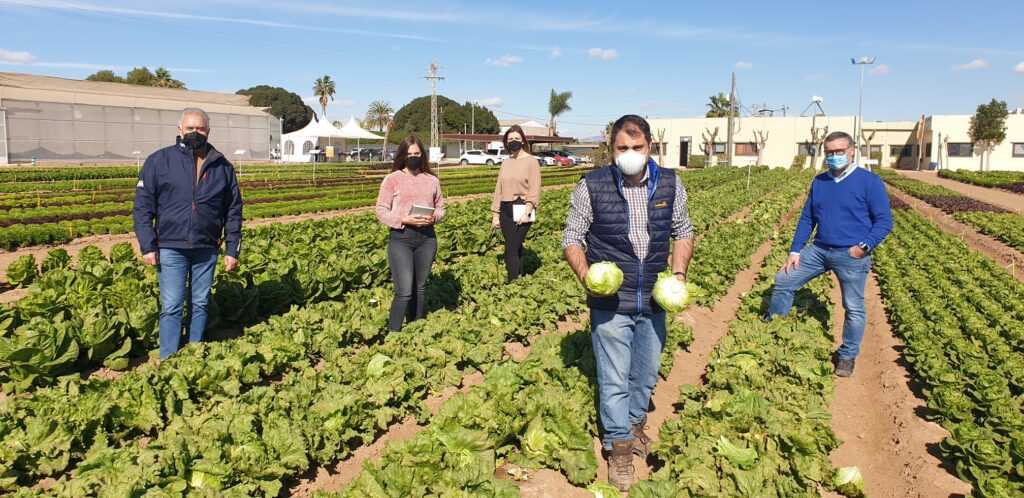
(104,311)
(438,351)
(1007,180)
(962,319)
(52,175)
(540,413)
(55,429)
(55,232)
(988,219)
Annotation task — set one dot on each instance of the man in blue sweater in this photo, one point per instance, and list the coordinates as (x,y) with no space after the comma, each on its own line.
(850,208)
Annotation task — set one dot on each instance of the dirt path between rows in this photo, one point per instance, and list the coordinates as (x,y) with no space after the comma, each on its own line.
(1000,253)
(999,197)
(709,326)
(877,416)
(105,242)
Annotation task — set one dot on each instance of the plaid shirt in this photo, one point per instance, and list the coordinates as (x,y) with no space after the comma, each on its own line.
(581,215)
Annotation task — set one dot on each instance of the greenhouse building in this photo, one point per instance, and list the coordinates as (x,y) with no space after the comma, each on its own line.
(43,118)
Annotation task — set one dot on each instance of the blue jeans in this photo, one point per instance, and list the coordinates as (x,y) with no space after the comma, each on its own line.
(178,267)
(628,353)
(852,274)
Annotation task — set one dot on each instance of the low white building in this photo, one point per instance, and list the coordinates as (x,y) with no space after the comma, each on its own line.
(893,144)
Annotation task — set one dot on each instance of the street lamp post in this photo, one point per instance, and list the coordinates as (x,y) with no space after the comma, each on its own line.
(859,125)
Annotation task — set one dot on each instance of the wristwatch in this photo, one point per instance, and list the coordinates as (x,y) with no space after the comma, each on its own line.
(864,247)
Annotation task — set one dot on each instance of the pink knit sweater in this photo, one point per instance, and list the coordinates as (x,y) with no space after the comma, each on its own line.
(400,190)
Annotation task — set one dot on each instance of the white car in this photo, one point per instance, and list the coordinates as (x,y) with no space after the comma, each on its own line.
(480,157)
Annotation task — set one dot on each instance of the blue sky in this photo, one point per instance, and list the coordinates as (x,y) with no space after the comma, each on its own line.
(652,58)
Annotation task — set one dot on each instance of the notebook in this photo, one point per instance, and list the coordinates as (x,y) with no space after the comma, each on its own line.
(519,209)
(418,210)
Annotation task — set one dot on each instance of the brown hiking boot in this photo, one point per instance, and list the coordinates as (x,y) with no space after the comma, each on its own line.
(621,472)
(642,443)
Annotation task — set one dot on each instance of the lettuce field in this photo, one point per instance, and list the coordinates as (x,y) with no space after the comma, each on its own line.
(302,391)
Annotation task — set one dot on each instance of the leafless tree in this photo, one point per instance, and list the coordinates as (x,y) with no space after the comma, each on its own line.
(761,137)
(708,144)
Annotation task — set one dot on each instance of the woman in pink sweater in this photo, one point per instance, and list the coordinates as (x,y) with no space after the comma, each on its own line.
(412,243)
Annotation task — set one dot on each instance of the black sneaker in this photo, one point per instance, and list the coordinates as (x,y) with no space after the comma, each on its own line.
(844,367)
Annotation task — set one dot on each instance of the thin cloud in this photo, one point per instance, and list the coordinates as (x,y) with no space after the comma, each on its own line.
(15,57)
(504,61)
(605,54)
(491,102)
(338,103)
(970,66)
(1019,68)
(881,70)
(12,58)
(119,11)
(744,65)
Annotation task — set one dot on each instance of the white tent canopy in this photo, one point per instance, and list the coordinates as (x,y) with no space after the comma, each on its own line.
(353,130)
(318,133)
(298,144)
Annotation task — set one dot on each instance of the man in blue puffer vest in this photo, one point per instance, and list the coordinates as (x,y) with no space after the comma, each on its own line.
(187,200)
(634,214)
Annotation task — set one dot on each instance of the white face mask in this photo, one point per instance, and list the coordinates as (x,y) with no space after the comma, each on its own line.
(631,162)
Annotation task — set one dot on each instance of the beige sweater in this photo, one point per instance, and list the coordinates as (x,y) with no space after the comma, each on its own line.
(518,178)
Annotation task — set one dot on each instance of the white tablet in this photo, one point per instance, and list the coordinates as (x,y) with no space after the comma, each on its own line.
(418,210)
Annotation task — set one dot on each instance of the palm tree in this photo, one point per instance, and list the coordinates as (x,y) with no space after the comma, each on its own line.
(718,106)
(162,78)
(379,114)
(323,89)
(557,105)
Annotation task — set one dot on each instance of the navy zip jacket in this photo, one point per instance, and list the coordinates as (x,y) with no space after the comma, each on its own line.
(174,210)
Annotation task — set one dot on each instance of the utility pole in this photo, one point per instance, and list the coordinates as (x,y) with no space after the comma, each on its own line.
(732,113)
(859,125)
(472,121)
(435,133)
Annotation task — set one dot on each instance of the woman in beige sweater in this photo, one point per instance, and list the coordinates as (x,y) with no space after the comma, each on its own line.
(518,184)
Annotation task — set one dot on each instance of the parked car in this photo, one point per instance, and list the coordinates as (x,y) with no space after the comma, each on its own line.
(555,157)
(498,152)
(363,154)
(480,157)
(545,160)
(573,158)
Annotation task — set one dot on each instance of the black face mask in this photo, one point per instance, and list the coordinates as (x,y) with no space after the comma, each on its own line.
(515,146)
(194,140)
(414,163)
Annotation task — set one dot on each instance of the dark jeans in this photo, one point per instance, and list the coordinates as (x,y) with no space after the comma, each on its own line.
(411,253)
(515,235)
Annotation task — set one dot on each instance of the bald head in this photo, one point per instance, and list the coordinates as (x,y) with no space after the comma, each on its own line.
(194,119)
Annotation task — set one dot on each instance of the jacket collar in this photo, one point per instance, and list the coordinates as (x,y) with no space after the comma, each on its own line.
(653,174)
(212,154)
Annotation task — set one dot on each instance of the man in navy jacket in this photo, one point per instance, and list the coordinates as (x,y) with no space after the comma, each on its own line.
(187,200)
(850,208)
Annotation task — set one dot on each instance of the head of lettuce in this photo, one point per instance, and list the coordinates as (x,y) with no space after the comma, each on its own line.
(603,279)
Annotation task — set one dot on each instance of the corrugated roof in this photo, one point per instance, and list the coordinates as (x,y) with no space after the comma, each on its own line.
(50,88)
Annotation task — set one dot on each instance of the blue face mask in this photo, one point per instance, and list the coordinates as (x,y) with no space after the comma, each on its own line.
(836,161)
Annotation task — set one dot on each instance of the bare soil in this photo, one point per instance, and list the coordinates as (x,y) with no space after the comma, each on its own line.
(876,414)
(999,197)
(997,251)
